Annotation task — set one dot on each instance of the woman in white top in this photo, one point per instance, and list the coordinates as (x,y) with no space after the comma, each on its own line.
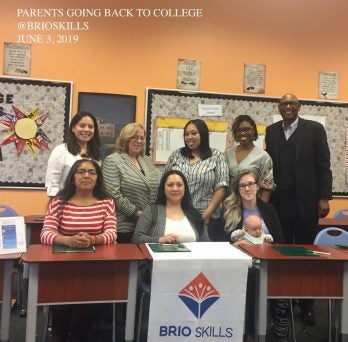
(247,156)
(82,141)
(173,219)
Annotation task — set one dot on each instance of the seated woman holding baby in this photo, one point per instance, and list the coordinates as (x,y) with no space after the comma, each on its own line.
(250,220)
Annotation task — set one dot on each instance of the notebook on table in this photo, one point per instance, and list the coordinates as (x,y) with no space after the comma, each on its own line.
(168,247)
(66,249)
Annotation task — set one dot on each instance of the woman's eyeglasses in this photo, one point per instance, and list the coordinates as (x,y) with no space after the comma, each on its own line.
(243,130)
(82,172)
(137,138)
(250,185)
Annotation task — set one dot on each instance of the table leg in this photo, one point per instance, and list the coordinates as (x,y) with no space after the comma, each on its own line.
(131,303)
(32,303)
(6,300)
(24,289)
(344,315)
(262,302)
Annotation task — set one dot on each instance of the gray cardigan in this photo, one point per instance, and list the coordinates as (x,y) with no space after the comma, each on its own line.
(151,226)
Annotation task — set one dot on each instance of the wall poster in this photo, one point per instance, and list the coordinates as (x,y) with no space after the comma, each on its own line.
(17,58)
(34,115)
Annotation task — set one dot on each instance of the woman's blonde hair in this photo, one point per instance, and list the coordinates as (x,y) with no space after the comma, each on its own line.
(126,134)
(233,203)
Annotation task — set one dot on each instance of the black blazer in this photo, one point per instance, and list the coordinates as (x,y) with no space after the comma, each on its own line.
(313,175)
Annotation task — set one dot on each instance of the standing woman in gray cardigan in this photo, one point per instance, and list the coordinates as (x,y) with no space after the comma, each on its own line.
(130,178)
(173,219)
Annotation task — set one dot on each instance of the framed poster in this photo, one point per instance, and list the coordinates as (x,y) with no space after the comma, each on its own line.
(254,78)
(17,58)
(34,115)
(112,111)
(189,74)
(328,85)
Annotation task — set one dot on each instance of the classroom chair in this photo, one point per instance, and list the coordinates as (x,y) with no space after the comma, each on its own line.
(5,211)
(332,236)
(341,213)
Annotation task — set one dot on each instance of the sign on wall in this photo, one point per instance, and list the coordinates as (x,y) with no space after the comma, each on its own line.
(34,115)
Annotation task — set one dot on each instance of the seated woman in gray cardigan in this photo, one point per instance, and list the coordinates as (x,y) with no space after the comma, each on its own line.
(173,219)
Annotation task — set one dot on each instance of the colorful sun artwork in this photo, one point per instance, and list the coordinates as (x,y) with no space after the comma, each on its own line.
(25,129)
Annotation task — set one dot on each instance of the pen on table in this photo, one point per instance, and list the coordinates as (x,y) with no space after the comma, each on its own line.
(170,244)
(322,253)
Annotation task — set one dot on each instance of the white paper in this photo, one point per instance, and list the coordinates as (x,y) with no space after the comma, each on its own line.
(209,110)
(12,235)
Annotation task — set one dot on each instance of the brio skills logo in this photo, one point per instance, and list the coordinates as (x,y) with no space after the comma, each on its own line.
(199,295)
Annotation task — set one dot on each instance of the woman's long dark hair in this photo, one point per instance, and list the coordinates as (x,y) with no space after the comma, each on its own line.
(93,145)
(204,148)
(191,213)
(69,187)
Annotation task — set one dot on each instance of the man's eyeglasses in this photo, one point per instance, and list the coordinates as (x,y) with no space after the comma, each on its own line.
(90,172)
(290,103)
(250,185)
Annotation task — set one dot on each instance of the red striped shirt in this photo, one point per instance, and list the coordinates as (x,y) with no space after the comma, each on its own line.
(70,219)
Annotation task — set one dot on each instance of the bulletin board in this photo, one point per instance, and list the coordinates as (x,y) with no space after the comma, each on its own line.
(180,104)
(168,136)
(34,116)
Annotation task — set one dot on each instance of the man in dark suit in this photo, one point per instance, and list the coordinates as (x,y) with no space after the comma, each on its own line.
(301,167)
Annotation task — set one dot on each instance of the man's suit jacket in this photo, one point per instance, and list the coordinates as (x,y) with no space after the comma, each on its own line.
(313,176)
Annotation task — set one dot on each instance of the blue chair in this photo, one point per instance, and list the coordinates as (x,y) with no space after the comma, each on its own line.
(342,213)
(5,211)
(333,236)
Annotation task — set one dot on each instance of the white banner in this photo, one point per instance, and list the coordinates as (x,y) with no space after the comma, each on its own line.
(198,295)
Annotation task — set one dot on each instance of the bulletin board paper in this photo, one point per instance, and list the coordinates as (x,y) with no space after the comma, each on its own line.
(34,115)
(168,136)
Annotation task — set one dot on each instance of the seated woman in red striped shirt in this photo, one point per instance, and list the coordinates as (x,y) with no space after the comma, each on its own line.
(79,216)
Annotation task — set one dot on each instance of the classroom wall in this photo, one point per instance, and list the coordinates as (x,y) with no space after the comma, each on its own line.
(294,38)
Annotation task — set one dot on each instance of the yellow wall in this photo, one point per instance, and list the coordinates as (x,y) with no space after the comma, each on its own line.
(294,38)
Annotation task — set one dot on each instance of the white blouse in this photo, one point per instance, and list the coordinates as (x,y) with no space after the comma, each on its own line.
(181,228)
